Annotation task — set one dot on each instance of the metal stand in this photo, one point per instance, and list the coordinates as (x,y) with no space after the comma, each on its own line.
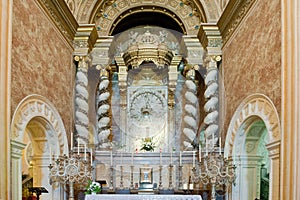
(170,176)
(180,186)
(131,176)
(121,177)
(160,178)
(111,183)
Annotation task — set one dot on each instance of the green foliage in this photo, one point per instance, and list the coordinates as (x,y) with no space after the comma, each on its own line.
(148,144)
(93,187)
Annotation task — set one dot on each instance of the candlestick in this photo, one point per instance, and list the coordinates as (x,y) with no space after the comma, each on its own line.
(91,157)
(71,140)
(84,151)
(220,144)
(111,158)
(180,158)
(193,158)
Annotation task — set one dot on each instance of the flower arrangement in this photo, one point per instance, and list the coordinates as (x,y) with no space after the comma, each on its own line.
(148,144)
(93,187)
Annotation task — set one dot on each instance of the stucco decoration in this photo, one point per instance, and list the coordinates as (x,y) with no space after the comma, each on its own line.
(186,13)
(257,105)
(85,11)
(38,106)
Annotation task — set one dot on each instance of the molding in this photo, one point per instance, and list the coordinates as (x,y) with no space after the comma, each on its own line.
(85,39)
(256,105)
(109,13)
(16,149)
(232,16)
(61,16)
(210,38)
(38,106)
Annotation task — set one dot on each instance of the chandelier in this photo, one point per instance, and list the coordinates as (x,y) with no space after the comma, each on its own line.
(213,169)
(71,169)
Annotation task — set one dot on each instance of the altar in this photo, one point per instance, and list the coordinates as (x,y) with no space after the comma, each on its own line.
(141,197)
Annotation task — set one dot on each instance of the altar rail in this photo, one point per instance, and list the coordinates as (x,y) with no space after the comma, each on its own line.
(141,197)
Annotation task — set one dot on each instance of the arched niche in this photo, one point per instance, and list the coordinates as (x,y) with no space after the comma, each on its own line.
(37,117)
(253,108)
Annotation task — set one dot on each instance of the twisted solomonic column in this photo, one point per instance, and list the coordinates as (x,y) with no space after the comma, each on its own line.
(103,108)
(81,99)
(212,105)
(191,108)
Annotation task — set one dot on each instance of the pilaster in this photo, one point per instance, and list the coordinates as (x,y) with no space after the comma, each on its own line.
(16,168)
(274,154)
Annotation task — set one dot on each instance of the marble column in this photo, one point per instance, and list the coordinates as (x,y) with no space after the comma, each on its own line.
(211,40)
(84,40)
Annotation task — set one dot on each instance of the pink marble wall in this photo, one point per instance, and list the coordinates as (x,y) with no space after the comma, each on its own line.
(252,59)
(41,60)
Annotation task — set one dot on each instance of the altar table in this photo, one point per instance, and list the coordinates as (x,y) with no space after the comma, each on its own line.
(141,197)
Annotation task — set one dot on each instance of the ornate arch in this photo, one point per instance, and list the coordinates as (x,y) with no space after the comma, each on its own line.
(38,106)
(186,14)
(254,105)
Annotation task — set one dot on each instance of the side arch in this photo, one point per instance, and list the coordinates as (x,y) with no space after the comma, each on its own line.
(258,105)
(35,111)
(38,106)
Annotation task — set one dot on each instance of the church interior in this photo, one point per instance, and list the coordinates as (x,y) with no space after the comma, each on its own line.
(189,99)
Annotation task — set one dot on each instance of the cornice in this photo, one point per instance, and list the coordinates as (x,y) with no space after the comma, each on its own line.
(232,16)
(61,16)
(210,38)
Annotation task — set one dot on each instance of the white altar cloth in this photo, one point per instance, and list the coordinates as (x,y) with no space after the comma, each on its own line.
(141,197)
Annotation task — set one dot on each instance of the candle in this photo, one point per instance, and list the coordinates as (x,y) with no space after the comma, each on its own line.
(121,158)
(171,156)
(193,158)
(132,158)
(84,151)
(111,158)
(71,140)
(160,158)
(180,163)
(91,157)
(50,157)
(220,144)
(200,152)
(78,146)
(206,146)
